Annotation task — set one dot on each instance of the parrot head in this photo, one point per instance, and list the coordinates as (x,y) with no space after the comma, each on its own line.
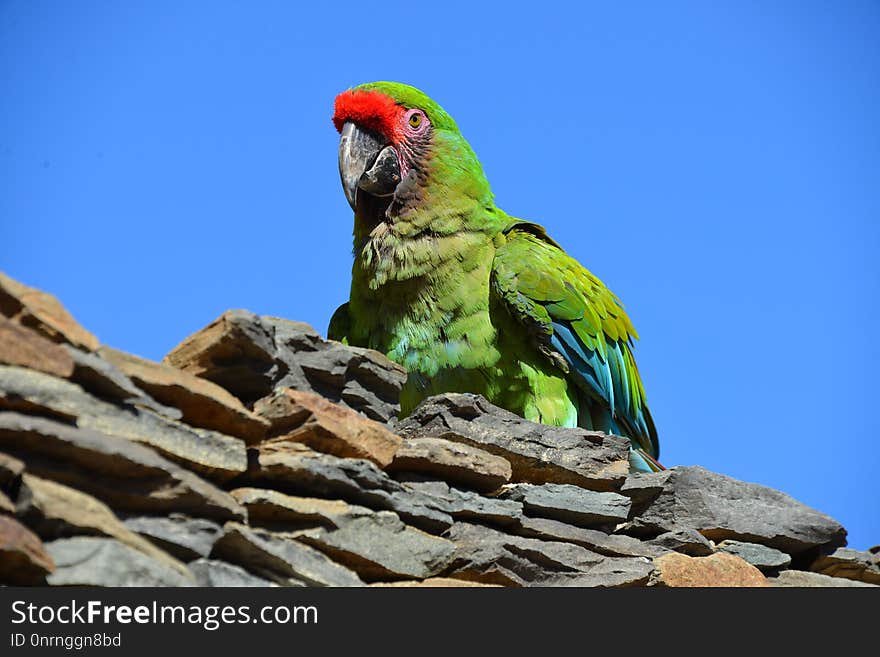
(397,143)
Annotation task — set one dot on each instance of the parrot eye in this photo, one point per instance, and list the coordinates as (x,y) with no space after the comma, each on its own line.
(416,120)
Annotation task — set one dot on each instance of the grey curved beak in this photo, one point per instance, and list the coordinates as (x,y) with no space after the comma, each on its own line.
(366,162)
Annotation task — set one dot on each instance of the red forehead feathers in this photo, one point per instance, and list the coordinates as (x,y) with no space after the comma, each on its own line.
(369,109)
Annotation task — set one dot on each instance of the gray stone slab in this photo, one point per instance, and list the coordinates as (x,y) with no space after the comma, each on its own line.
(723,508)
(184,537)
(766,559)
(91,561)
(571,504)
(537,453)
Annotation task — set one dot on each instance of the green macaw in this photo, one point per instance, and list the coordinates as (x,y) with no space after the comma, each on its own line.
(466,297)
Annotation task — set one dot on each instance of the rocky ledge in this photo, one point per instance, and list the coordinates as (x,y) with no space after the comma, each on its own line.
(260,454)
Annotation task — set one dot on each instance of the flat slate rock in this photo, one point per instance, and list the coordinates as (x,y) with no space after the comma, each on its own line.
(279,511)
(58,511)
(184,537)
(492,557)
(381,547)
(236,351)
(198,401)
(537,453)
(91,561)
(268,552)
(685,540)
(723,508)
(105,380)
(210,572)
(805,579)
(295,468)
(851,564)
(43,313)
(307,418)
(766,559)
(24,347)
(612,545)
(413,507)
(434,583)
(124,474)
(567,503)
(251,356)
(210,453)
(644,487)
(24,560)
(362,379)
(457,463)
(468,505)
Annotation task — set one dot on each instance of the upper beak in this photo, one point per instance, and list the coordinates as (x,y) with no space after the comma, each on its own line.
(366,162)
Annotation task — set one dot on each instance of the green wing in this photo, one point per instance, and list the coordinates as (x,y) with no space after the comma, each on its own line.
(580,326)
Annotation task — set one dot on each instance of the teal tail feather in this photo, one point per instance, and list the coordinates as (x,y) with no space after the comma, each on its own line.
(641,461)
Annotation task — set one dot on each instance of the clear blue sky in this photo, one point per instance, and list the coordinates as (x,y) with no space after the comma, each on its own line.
(717,164)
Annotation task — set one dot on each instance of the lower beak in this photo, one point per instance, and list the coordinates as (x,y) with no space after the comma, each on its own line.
(366,163)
